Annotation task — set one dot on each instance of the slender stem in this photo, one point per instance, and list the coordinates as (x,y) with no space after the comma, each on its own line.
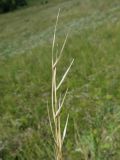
(55,102)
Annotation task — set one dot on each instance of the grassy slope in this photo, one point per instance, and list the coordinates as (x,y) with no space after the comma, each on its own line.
(94,96)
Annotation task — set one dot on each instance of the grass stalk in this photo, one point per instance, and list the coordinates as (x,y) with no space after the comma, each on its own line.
(57,102)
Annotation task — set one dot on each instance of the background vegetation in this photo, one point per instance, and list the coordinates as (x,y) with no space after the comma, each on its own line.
(93,99)
(9,5)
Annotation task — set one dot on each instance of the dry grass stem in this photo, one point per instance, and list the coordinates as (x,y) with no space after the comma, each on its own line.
(57,102)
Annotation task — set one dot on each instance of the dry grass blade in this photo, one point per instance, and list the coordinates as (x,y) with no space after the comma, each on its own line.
(61,104)
(65,74)
(63,46)
(54,37)
(50,122)
(65,129)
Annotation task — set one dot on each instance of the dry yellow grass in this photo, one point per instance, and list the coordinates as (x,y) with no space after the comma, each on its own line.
(57,102)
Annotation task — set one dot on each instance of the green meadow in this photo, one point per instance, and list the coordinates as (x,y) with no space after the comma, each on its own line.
(93,99)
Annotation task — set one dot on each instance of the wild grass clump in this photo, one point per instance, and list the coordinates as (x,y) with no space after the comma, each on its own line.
(100,140)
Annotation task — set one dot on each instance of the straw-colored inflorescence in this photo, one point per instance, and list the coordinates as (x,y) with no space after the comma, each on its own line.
(57,102)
